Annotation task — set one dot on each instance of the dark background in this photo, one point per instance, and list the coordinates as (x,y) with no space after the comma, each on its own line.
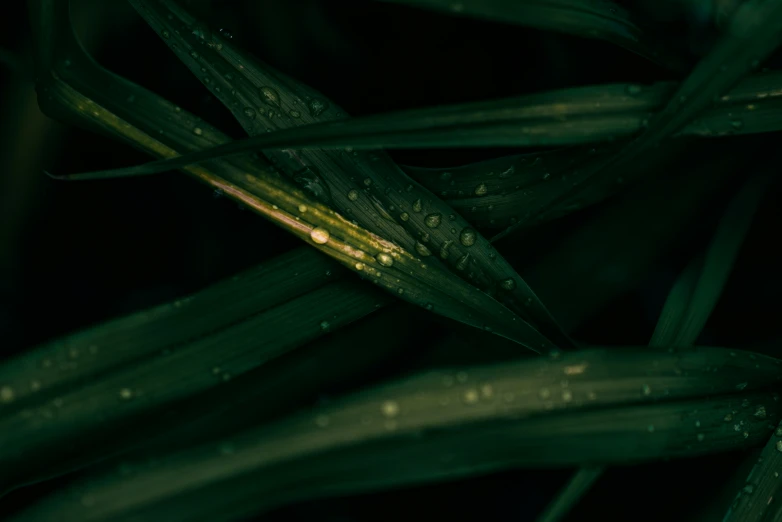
(72,255)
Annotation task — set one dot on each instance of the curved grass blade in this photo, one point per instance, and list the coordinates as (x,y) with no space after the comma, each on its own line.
(599,19)
(256,185)
(697,291)
(441,425)
(369,189)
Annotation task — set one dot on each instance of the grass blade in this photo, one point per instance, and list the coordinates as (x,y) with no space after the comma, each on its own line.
(576,487)
(371,190)
(253,183)
(697,291)
(438,425)
(756,499)
(602,20)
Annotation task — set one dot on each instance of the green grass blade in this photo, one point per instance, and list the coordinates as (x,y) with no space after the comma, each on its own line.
(697,291)
(602,20)
(756,500)
(576,487)
(562,117)
(254,183)
(441,425)
(370,189)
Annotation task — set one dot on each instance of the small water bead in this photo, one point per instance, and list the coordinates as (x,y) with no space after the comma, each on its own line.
(463,262)
(567,395)
(302,208)
(325,325)
(165,34)
(778,445)
(701,437)
(249,112)
(633,89)
(316,107)
(445,249)
(508,284)
(367,182)
(359,266)
(7,394)
(390,408)
(126,394)
(353,194)
(646,390)
(422,250)
(544,393)
(384,259)
(462,377)
(404,216)
(417,206)
(295,114)
(778,432)
(433,220)
(481,190)
(198,131)
(320,236)
(471,396)
(270,96)
(760,412)
(468,237)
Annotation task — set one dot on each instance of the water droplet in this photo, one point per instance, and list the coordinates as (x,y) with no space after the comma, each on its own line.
(417,206)
(701,436)
(295,114)
(445,249)
(481,190)
(249,112)
(737,124)
(316,107)
(567,395)
(544,393)
(320,235)
(126,394)
(390,408)
(359,266)
(463,262)
(384,259)
(471,396)
(433,220)
(760,412)
(632,90)
(6,394)
(741,385)
(508,284)
(468,237)
(421,249)
(353,195)
(270,96)
(198,131)
(646,389)
(165,34)
(778,432)
(324,325)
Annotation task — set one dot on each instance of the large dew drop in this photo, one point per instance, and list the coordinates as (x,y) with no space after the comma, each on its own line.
(467,237)
(320,235)
(384,259)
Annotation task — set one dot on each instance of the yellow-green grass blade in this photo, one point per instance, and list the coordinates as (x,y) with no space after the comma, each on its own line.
(369,189)
(253,183)
(445,424)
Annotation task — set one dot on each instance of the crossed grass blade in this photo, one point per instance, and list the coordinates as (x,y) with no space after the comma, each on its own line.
(370,189)
(253,183)
(144,333)
(689,304)
(445,424)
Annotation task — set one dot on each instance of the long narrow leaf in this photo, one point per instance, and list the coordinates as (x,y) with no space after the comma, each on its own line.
(442,424)
(256,185)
